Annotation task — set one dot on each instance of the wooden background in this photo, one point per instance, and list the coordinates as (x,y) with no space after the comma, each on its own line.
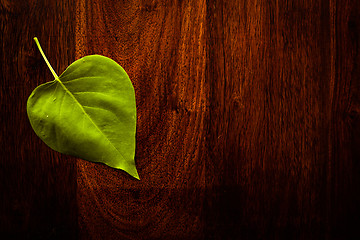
(248,120)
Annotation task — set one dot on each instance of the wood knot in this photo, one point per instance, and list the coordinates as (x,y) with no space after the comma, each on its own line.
(148,7)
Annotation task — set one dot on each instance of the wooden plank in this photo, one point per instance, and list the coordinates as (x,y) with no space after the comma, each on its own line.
(345,123)
(282,143)
(37,185)
(161,45)
(248,120)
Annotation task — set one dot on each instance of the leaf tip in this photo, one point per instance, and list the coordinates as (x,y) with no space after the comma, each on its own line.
(136,175)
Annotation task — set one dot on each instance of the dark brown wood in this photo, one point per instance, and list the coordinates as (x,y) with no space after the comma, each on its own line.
(161,45)
(37,185)
(282,140)
(345,123)
(248,120)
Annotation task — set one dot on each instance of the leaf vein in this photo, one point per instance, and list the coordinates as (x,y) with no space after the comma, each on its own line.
(80,78)
(104,109)
(81,107)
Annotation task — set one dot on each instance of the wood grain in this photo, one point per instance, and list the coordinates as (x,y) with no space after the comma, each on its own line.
(248,120)
(345,125)
(162,48)
(285,164)
(37,185)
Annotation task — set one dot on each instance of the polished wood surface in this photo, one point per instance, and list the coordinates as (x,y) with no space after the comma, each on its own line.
(248,120)
(284,114)
(162,48)
(37,184)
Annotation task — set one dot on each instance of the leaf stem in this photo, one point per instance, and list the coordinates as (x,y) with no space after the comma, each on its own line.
(47,62)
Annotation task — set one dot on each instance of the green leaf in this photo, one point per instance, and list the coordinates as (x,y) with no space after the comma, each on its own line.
(88,112)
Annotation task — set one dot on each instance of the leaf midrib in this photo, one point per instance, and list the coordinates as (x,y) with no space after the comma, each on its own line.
(87,115)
